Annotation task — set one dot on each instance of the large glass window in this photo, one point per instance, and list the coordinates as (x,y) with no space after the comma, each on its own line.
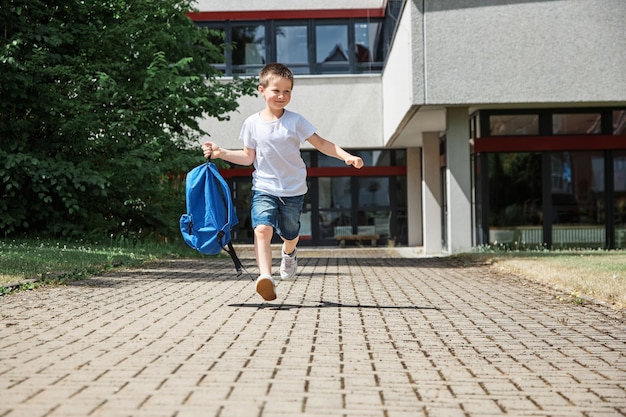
(248,42)
(578,214)
(619,198)
(342,202)
(292,46)
(306,46)
(335,204)
(331,48)
(576,123)
(515,203)
(576,197)
(514,124)
(368,48)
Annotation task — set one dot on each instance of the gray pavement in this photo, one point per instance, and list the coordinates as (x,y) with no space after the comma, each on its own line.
(359,332)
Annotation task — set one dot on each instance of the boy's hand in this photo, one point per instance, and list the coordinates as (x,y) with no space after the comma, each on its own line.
(211,150)
(355,161)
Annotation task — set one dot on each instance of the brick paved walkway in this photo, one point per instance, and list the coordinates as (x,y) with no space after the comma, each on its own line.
(359,333)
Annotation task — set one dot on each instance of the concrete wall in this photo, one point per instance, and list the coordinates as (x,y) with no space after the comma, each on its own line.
(402,79)
(345,110)
(524,51)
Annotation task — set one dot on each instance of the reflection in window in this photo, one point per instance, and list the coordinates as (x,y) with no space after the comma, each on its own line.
(375,157)
(619,122)
(514,124)
(515,204)
(378,221)
(248,48)
(365,36)
(331,48)
(578,213)
(577,123)
(334,222)
(307,46)
(374,192)
(368,46)
(292,47)
(619,198)
(334,192)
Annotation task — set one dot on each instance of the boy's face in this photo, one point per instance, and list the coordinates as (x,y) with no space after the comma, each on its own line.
(277,94)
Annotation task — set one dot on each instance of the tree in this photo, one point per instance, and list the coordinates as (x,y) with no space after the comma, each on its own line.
(99,107)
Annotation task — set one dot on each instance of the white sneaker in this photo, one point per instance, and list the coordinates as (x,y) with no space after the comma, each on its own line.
(288,264)
(265,287)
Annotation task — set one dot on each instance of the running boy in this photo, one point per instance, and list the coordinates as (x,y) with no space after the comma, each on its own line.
(271,141)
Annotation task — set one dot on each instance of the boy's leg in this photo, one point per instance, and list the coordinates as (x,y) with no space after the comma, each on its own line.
(265,286)
(264,212)
(290,245)
(289,230)
(263,248)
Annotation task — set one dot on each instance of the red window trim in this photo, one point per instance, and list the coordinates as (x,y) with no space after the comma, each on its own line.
(547,143)
(329,172)
(205,16)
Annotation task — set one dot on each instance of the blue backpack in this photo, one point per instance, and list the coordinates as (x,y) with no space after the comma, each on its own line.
(211,214)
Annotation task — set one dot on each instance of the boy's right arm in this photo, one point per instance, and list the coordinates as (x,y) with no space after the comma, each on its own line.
(243,156)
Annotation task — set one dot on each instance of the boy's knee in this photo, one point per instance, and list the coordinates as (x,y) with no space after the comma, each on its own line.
(263,230)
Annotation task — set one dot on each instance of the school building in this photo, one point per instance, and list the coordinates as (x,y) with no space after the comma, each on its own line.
(479,121)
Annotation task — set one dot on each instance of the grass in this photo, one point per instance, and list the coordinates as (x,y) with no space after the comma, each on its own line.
(29,263)
(583,274)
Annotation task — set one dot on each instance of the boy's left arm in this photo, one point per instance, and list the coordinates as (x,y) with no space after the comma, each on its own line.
(329,148)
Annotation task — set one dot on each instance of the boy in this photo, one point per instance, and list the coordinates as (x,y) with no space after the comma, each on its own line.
(271,141)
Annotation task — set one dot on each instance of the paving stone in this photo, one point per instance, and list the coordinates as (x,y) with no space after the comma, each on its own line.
(360,332)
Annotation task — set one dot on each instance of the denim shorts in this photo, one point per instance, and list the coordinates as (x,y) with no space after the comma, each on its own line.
(282,213)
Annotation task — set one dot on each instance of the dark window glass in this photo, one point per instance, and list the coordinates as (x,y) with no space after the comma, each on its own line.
(619,198)
(514,124)
(400,157)
(248,43)
(578,213)
(515,203)
(331,48)
(619,122)
(577,123)
(368,46)
(329,161)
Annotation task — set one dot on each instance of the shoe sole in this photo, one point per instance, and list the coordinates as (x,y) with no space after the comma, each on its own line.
(265,289)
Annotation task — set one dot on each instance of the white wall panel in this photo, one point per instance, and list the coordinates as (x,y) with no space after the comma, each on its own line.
(525,51)
(345,110)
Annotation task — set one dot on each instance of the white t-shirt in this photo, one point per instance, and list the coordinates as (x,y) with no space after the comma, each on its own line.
(279,168)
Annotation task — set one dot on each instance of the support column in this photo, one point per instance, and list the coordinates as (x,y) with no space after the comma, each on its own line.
(431,193)
(458,180)
(414,196)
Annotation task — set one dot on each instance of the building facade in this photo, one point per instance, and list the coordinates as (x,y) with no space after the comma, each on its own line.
(481,122)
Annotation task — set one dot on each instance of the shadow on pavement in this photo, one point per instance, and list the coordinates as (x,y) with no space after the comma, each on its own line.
(325,304)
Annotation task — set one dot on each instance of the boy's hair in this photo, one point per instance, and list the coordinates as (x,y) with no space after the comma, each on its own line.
(274,70)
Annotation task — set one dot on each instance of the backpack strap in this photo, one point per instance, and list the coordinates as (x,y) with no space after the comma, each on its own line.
(233,255)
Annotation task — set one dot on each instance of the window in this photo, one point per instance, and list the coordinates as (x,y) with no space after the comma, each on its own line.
(292,46)
(331,48)
(514,124)
(306,46)
(368,46)
(248,52)
(577,123)
(619,122)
